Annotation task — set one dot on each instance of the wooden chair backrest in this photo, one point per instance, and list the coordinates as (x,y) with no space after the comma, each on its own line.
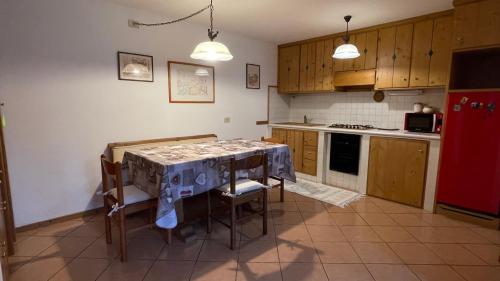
(112,173)
(272,140)
(251,162)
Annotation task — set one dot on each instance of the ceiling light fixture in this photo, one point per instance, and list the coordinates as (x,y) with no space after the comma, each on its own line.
(208,50)
(346,50)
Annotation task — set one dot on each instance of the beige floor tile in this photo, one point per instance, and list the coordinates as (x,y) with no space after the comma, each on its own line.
(366,207)
(59,228)
(217,250)
(488,253)
(297,251)
(347,272)
(455,254)
(82,270)
(415,253)
(181,251)
(317,218)
(170,271)
(303,271)
(39,269)
(292,232)
(260,250)
(34,245)
(347,219)
(284,206)
(258,272)
(145,247)
(99,249)
(393,234)
(478,273)
(435,273)
(131,270)
(214,271)
(377,219)
(391,272)
(325,233)
(360,234)
(68,247)
(336,209)
(492,235)
(408,220)
(314,206)
(336,252)
(287,218)
(89,229)
(439,220)
(427,234)
(16,262)
(370,252)
(462,235)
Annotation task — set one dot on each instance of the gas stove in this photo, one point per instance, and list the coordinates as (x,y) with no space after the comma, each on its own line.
(351,126)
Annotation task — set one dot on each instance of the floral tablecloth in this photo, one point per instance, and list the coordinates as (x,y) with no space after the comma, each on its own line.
(175,172)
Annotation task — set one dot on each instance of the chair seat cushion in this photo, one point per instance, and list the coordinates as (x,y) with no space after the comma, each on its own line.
(131,194)
(242,186)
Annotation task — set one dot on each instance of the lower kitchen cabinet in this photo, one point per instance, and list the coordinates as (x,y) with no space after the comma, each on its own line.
(303,146)
(397,169)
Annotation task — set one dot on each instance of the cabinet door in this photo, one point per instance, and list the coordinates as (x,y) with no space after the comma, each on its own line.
(420,61)
(307,66)
(320,65)
(279,134)
(338,64)
(488,25)
(348,64)
(402,52)
(371,49)
(359,62)
(328,62)
(283,69)
(293,66)
(465,25)
(294,140)
(385,62)
(396,169)
(441,51)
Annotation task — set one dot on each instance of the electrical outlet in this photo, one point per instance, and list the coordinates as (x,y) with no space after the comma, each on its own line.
(227,119)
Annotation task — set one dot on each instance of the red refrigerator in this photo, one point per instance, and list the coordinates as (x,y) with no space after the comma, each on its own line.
(469,176)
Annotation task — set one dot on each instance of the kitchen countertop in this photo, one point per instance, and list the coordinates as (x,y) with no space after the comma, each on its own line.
(373,132)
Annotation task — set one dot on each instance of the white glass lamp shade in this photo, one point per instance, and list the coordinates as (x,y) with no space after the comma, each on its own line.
(211,51)
(201,72)
(346,51)
(135,69)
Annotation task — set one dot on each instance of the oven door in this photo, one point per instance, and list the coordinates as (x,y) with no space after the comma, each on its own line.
(344,153)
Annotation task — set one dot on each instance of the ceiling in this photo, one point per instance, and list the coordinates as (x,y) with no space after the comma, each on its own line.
(282,21)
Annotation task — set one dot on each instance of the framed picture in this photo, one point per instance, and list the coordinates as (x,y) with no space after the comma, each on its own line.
(135,67)
(253,76)
(190,83)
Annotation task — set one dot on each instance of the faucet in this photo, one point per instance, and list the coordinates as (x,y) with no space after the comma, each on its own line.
(305,119)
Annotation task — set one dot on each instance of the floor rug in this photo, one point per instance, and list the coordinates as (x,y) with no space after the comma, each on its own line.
(329,194)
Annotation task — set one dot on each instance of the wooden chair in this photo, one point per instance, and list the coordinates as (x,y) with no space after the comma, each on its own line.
(238,192)
(281,181)
(120,201)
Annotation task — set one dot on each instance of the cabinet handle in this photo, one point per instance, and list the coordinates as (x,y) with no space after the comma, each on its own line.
(421,150)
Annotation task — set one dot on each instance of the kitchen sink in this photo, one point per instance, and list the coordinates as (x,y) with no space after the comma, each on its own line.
(301,124)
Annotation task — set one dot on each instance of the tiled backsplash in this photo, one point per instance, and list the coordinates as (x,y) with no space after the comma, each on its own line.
(351,107)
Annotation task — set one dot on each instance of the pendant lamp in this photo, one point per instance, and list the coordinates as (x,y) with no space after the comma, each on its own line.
(346,50)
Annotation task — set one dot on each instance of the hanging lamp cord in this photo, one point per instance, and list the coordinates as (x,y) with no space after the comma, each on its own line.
(210,6)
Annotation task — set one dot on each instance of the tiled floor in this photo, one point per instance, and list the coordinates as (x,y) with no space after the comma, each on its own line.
(371,239)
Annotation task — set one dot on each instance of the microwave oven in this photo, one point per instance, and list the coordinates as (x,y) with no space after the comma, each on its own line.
(424,122)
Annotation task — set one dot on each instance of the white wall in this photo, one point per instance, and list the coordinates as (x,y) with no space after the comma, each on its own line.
(64,103)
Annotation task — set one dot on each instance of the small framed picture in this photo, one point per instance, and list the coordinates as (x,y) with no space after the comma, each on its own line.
(135,67)
(190,83)
(253,76)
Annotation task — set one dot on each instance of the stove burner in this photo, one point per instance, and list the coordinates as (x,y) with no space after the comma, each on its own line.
(353,127)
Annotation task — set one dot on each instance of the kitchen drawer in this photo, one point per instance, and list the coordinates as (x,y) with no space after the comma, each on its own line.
(310,152)
(309,167)
(310,138)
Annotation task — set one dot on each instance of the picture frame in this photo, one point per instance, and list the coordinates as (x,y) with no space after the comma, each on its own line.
(190,83)
(253,76)
(135,67)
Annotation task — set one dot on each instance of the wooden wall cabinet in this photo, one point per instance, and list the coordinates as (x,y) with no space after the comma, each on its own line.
(303,146)
(288,69)
(324,66)
(476,24)
(397,169)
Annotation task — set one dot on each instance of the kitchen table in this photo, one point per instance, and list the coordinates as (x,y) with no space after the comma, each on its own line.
(175,172)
